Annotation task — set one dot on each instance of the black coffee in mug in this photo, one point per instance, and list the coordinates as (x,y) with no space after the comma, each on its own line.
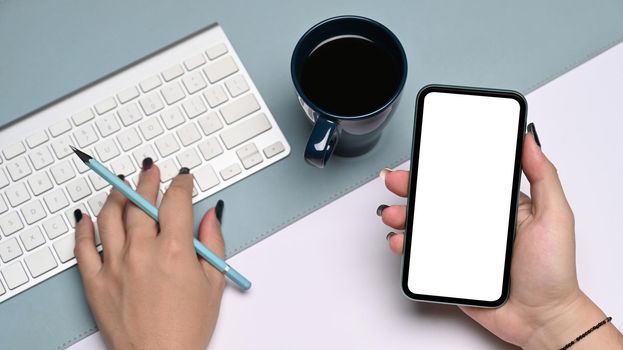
(350,75)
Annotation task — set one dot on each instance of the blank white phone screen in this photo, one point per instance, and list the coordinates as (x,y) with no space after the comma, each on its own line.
(463,196)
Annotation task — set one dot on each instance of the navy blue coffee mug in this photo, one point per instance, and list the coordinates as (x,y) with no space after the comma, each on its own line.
(348,72)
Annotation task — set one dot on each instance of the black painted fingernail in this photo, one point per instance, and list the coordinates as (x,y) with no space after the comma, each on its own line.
(147,163)
(532,129)
(184,171)
(379,210)
(121,176)
(390,235)
(77,215)
(218,209)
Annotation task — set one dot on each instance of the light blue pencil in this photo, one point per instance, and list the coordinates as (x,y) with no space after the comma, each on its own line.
(152,211)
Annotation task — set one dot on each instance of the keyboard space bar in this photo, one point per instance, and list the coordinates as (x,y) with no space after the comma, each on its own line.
(245,130)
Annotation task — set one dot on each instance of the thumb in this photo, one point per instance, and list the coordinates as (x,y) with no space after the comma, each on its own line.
(546,190)
(210,235)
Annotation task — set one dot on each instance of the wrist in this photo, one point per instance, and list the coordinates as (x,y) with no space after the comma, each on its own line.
(565,324)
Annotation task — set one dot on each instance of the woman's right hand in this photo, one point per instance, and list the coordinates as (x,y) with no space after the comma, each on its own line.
(546,308)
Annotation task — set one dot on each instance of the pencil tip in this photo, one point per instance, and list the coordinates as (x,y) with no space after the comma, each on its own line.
(83,156)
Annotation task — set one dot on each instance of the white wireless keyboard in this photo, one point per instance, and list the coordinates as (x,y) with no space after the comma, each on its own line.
(191,105)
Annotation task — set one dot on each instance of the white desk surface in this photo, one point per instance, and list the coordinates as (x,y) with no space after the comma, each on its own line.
(328,281)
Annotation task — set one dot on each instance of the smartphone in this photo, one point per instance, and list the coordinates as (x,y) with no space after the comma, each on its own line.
(463,195)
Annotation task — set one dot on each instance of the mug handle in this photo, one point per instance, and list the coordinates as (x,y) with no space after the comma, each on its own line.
(322,142)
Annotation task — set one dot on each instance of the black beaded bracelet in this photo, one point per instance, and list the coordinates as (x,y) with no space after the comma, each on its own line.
(603,322)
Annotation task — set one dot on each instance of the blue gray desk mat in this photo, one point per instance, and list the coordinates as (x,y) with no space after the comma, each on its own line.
(59,46)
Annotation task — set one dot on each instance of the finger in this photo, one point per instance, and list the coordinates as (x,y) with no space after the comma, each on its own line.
(210,235)
(397,181)
(396,242)
(111,224)
(89,261)
(176,212)
(395,216)
(545,187)
(139,225)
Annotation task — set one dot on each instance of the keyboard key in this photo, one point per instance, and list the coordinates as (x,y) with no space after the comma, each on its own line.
(18,169)
(61,147)
(167,145)
(274,149)
(39,183)
(96,203)
(249,155)
(194,62)
(129,139)
(245,130)
(216,51)
(194,82)
(128,94)
(17,194)
(37,138)
(64,248)
(4,180)
(230,171)
(40,157)
(172,117)
(82,117)
(172,93)
(168,170)
(105,105)
(150,83)
(69,213)
(188,134)
(236,85)
(130,114)
(189,158)
(78,189)
(123,165)
(32,238)
(151,103)
(85,136)
(62,172)
(150,128)
(60,128)
(106,150)
(3,206)
(215,96)
(14,150)
(10,223)
(33,211)
(173,72)
(194,107)
(210,123)
(97,181)
(144,152)
(56,200)
(239,108)
(206,178)
(107,125)
(54,227)
(2,291)
(40,262)
(9,250)
(82,168)
(220,69)
(210,148)
(14,275)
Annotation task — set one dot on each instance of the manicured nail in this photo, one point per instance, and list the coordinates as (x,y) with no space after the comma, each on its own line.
(384,172)
(390,235)
(147,163)
(379,210)
(218,209)
(184,171)
(77,215)
(121,176)
(532,129)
